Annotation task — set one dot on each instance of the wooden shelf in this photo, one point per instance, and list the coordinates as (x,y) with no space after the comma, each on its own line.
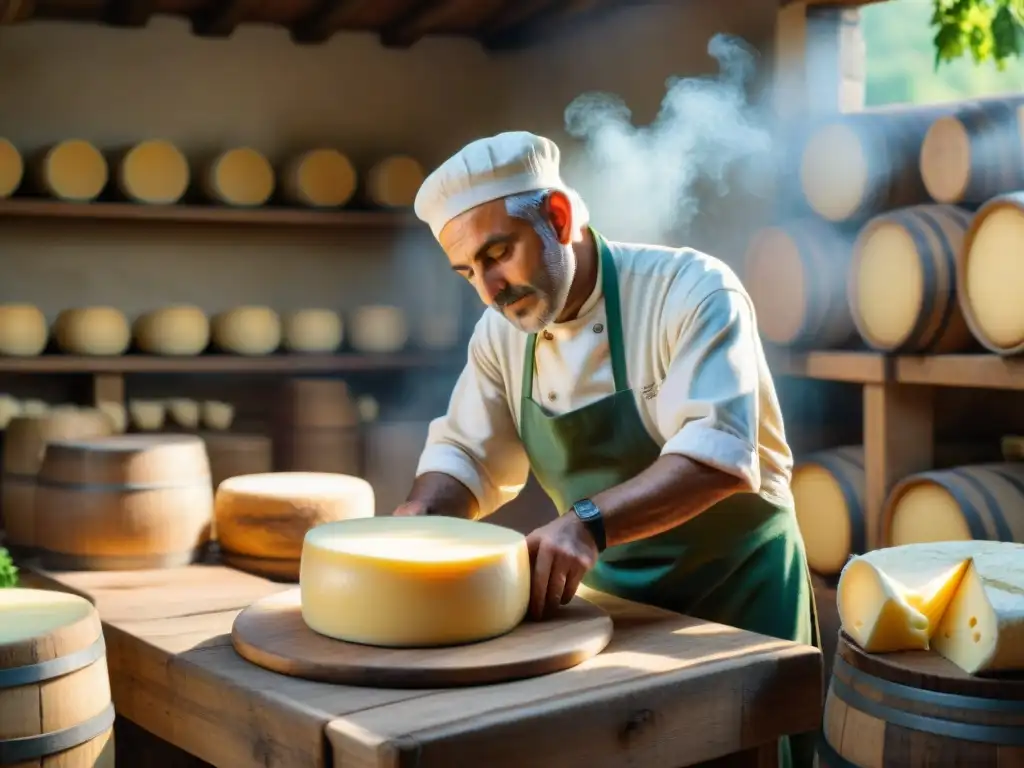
(854,367)
(33,208)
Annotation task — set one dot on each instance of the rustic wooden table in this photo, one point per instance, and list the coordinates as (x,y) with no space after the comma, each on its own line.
(669,691)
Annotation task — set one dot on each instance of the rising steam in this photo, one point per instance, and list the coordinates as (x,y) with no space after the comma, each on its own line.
(648,182)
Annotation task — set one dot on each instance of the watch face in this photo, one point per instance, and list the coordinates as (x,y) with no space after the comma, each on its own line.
(587,510)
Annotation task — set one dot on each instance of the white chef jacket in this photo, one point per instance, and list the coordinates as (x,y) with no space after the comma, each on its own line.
(695,365)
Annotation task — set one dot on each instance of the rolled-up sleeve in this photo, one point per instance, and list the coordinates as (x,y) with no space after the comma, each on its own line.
(476,441)
(708,402)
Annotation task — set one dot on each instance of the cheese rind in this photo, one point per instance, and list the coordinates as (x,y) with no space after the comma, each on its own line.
(414,581)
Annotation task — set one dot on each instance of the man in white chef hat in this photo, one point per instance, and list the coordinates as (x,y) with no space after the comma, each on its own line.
(631,380)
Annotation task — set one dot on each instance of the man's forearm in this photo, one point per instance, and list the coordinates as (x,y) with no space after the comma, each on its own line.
(669,492)
(442,494)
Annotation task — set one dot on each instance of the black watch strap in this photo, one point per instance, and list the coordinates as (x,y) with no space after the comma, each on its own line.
(589,514)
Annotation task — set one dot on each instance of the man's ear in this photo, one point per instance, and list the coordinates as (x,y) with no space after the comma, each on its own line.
(559,211)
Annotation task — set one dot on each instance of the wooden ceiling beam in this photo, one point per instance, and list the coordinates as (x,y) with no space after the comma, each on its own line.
(555,19)
(422,18)
(322,23)
(220,18)
(129,13)
(513,14)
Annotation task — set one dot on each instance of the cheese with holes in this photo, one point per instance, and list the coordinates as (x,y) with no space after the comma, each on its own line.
(26,614)
(268,515)
(394,181)
(312,330)
(92,331)
(23,330)
(73,170)
(154,172)
(12,168)
(414,581)
(247,330)
(962,599)
(179,330)
(240,176)
(320,178)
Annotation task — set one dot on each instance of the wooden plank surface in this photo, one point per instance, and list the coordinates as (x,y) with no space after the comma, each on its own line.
(669,691)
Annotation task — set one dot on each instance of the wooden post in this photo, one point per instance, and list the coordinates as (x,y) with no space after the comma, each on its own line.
(108,388)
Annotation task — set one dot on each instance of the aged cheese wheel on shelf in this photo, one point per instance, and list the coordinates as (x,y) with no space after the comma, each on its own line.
(902,284)
(183,412)
(312,330)
(828,494)
(55,703)
(981,501)
(975,153)
(248,330)
(379,329)
(320,178)
(117,413)
(217,415)
(263,518)
(394,181)
(147,415)
(9,408)
(12,168)
(368,407)
(92,331)
(123,503)
(990,275)
(239,177)
(796,275)
(72,170)
(964,600)
(414,581)
(34,407)
(153,171)
(178,330)
(23,330)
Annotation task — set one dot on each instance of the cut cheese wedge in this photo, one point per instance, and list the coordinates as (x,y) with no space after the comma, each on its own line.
(963,599)
(414,581)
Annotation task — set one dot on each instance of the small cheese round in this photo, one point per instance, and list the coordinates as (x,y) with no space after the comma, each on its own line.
(148,415)
(379,329)
(320,178)
(9,409)
(217,415)
(247,330)
(27,614)
(414,581)
(92,331)
(116,412)
(34,407)
(240,176)
(12,168)
(312,330)
(154,172)
(74,170)
(183,412)
(394,181)
(180,330)
(268,515)
(23,330)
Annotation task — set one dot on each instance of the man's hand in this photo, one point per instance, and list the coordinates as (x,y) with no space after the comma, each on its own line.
(561,554)
(410,509)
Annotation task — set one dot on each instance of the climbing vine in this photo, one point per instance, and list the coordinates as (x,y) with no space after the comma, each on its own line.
(8,571)
(985,30)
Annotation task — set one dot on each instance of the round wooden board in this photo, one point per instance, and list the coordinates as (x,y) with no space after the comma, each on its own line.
(272,634)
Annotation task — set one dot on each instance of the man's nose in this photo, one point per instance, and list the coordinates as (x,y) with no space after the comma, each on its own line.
(491,284)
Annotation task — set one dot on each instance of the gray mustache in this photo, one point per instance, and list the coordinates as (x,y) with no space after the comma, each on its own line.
(512,294)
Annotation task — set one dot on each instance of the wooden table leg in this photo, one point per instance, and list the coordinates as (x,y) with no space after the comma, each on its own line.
(135,746)
(765,756)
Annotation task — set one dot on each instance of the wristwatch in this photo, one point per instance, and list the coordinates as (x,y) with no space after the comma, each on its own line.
(589,514)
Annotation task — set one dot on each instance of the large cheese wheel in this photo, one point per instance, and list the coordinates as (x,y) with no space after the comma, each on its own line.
(981,501)
(394,181)
(23,330)
(796,275)
(902,286)
(178,330)
(975,153)
(828,494)
(990,274)
(247,330)
(72,170)
(12,168)
(92,331)
(55,704)
(240,177)
(414,581)
(378,329)
(153,171)
(312,330)
(320,178)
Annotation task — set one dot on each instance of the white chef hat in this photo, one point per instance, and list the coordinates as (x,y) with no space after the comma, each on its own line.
(488,169)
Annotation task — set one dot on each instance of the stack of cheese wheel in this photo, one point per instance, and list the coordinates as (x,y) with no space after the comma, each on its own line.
(178,330)
(240,177)
(92,331)
(863,163)
(319,178)
(312,331)
(12,168)
(23,330)
(55,705)
(124,502)
(902,287)
(976,153)
(262,519)
(147,415)
(379,329)
(797,275)
(394,181)
(828,493)
(72,170)
(982,501)
(990,279)
(154,172)
(391,456)
(414,581)
(247,330)
(25,445)
(318,428)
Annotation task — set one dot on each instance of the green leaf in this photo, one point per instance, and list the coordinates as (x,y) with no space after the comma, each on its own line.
(8,571)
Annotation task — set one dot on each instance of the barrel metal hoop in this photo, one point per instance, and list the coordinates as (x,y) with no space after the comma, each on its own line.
(14,751)
(47,670)
(61,561)
(44,482)
(828,754)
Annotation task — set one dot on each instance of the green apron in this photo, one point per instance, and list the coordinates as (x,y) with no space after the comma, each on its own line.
(739,563)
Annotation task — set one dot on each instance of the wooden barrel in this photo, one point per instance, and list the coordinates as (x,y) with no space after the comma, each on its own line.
(902,283)
(828,493)
(989,280)
(796,275)
(860,164)
(55,706)
(975,153)
(915,709)
(983,501)
(318,428)
(123,503)
(24,446)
